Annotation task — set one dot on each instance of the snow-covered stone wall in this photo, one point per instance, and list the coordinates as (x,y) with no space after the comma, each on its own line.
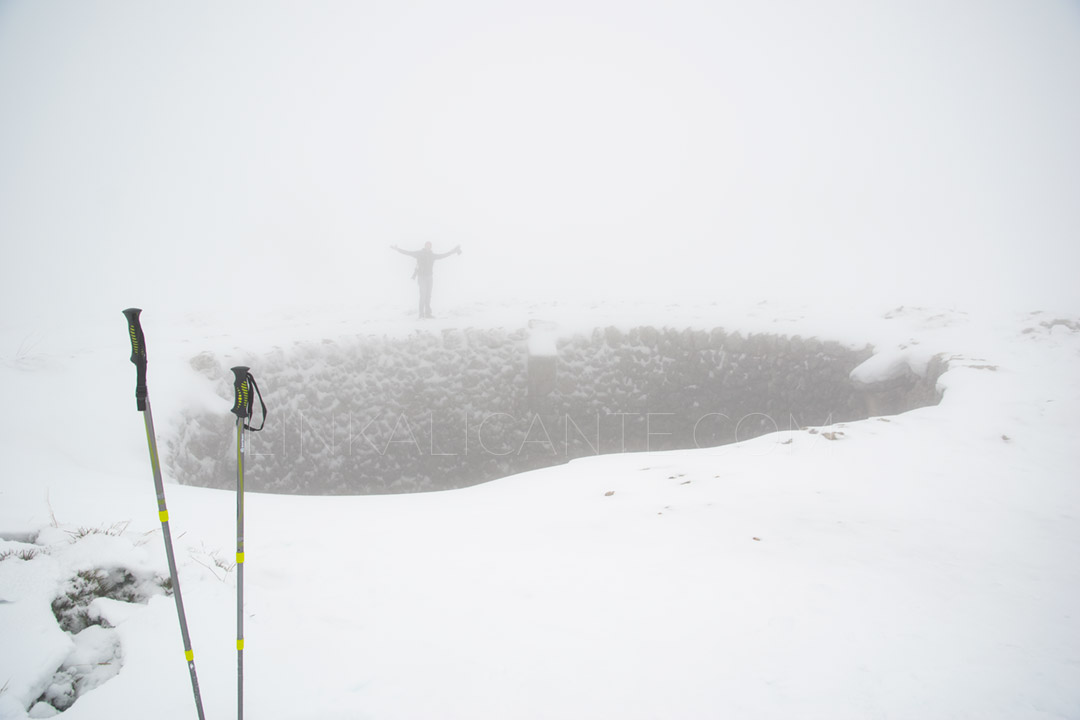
(440,410)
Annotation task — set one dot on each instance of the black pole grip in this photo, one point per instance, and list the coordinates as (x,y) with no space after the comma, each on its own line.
(242,406)
(138,355)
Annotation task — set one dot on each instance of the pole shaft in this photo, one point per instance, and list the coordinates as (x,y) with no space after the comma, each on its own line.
(163,515)
(240,568)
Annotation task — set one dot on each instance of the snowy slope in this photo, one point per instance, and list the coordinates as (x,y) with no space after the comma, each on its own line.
(611,163)
(921,565)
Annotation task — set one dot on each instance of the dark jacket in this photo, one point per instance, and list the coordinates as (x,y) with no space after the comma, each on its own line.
(425,260)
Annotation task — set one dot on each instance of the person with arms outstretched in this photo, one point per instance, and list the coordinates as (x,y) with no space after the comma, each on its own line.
(424,273)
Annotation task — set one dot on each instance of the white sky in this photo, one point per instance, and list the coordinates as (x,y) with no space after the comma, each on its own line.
(201,154)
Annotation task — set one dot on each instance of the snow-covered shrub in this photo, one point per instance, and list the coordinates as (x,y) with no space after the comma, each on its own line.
(72,606)
(96,657)
(96,573)
(22,554)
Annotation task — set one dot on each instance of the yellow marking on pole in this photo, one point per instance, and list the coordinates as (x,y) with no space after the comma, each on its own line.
(240,644)
(239,558)
(164,516)
(190,655)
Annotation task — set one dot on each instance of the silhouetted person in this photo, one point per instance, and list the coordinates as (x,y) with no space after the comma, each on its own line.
(425,265)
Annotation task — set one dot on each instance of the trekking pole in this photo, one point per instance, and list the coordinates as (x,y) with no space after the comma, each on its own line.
(142,402)
(243,384)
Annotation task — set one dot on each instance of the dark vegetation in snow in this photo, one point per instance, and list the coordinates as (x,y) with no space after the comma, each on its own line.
(96,654)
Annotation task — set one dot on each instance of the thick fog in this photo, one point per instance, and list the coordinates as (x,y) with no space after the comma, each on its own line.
(204,155)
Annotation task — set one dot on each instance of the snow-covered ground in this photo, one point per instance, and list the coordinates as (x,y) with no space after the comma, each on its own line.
(915,566)
(240,170)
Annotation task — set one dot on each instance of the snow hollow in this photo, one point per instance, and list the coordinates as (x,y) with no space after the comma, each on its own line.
(447,408)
